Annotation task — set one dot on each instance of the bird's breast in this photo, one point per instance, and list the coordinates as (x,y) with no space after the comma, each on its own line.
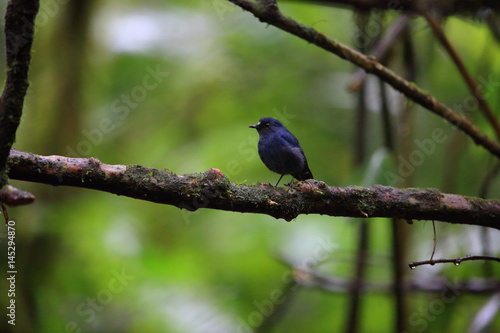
(280,156)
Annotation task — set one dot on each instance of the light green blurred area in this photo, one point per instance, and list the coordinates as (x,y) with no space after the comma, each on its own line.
(95,262)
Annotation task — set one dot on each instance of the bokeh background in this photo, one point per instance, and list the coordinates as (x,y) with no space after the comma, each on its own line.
(175,84)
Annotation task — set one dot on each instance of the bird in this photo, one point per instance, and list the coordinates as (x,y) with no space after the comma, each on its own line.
(280,150)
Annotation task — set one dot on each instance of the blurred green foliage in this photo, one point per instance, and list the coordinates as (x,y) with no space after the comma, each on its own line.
(95,262)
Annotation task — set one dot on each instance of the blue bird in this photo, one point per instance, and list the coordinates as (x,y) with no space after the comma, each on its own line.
(280,150)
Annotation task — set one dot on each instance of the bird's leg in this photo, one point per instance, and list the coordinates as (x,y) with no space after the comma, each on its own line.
(290,184)
(278,181)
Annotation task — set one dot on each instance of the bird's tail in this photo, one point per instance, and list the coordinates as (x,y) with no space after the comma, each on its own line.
(304,174)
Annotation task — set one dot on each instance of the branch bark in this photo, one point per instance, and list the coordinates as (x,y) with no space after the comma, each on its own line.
(448,7)
(455,261)
(213,190)
(272,16)
(474,88)
(19,30)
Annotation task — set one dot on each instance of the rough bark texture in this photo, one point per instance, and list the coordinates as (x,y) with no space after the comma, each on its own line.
(19,29)
(213,190)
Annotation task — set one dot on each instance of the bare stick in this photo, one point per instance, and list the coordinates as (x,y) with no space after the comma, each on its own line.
(310,278)
(471,84)
(455,261)
(435,242)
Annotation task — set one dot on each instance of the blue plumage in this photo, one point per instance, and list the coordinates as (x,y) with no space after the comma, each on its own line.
(280,150)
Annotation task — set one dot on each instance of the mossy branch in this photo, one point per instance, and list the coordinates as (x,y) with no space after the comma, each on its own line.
(214,190)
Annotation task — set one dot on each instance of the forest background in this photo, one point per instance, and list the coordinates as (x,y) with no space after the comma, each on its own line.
(175,84)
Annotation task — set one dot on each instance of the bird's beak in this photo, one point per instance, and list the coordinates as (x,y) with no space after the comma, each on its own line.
(255,126)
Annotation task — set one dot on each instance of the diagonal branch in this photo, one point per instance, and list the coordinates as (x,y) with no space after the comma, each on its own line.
(448,7)
(213,190)
(271,15)
(471,84)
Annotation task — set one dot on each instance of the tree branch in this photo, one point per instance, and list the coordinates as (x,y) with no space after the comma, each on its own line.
(19,29)
(474,88)
(448,7)
(455,261)
(271,15)
(309,277)
(213,190)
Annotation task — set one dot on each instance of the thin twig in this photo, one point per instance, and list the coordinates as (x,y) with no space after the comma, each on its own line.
(311,278)
(273,17)
(435,241)
(471,84)
(455,261)
(5,213)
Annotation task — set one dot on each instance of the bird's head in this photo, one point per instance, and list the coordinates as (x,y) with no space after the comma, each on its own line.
(267,125)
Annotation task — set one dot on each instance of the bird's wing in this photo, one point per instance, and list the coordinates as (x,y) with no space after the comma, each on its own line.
(290,138)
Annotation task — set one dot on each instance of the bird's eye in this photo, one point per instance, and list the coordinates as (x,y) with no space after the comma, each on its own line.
(266,124)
